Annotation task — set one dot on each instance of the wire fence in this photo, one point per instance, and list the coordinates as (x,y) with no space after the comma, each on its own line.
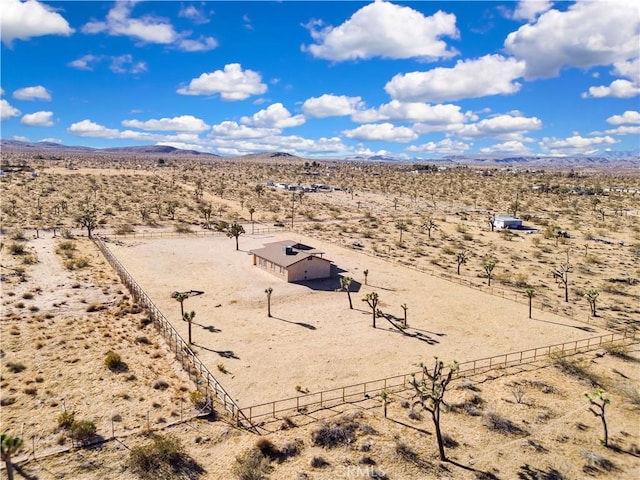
(396,384)
(249,229)
(189,360)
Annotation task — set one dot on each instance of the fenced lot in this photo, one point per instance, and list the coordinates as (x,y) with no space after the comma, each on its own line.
(314,341)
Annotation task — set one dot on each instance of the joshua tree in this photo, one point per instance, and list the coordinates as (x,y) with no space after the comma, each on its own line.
(269,291)
(366,274)
(402,226)
(188,317)
(561,274)
(10,445)
(591,297)
(259,189)
(429,225)
(180,297)
(384,395)
(88,218)
(430,394)
(206,211)
(488,266)
(372,300)
(404,308)
(598,403)
(345,283)
(530,292)
(491,218)
(461,259)
(235,230)
(251,212)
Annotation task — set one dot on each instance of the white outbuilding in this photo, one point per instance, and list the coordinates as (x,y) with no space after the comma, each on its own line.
(507,221)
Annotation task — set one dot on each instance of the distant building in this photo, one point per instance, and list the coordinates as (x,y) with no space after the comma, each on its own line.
(292,261)
(507,221)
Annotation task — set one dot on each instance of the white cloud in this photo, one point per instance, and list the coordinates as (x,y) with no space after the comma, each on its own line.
(630,116)
(192,13)
(618,89)
(628,69)
(32,93)
(382,29)
(512,147)
(85,62)
(232,83)
(230,129)
(329,105)
(126,64)
(24,20)
(530,9)
(575,144)
(622,130)
(505,127)
(385,132)
(51,140)
(294,145)
(274,116)
(20,138)
(148,29)
(412,112)
(443,147)
(37,119)
(184,123)
(87,128)
(7,111)
(488,75)
(589,33)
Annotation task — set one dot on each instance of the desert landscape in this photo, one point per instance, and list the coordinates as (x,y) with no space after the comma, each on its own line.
(107,388)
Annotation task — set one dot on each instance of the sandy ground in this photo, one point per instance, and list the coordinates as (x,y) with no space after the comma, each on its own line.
(314,340)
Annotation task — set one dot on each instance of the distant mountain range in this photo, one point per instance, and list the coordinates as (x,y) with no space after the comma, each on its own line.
(627,159)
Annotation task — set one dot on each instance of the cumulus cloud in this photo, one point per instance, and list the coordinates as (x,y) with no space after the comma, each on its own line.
(622,130)
(37,119)
(230,129)
(148,28)
(575,144)
(183,123)
(585,35)
(618,89)
(382,29)
(232,83)
(7,111)
(85,62)
(293,144)
(412,112)
(506,127)
(192,13)
(512,147)
(488,75)
(386,132)
(32,93)
(630,116)
(329,105)
(117,64)
(25,20)
(529,10)
(443,147)
(87,128)
(274,116)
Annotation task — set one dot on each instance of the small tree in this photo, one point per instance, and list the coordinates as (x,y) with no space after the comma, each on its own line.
(372,300)
(188,317)
(10,445)
(491,218)
(591,297)
(488,266)
(461,259)
(429,225)
(235,230)
(88,218)
(345,284)
(561,276)
(180,297)
(251,212)
(530,292)
(430,392)
(598,402)
(269,291)
(402,226)
(384,395)
(366,274)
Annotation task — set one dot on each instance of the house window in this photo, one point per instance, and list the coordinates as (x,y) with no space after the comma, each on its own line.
(281,270)
(273,266)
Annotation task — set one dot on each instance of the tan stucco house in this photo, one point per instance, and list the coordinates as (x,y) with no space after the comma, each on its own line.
(292,261)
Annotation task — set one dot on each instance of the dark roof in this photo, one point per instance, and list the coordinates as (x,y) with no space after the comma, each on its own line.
(287,252)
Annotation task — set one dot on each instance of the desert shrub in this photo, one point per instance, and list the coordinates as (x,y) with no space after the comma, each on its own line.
(182,228)
(143,340)
(15,367)
(575,368)
(66,246)
(334,434)
(123,229)
(66,419)
(498,423)
(472,406)
(318,462)
(113,361)
(164,457)
(267,448)
(17,248)
(632,395)
(5,401)
(619,350)
(596,462)
(251,465)
(95,307)
(83,430)
(18,235)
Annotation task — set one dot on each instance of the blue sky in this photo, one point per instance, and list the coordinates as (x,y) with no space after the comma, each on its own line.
(330,78)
